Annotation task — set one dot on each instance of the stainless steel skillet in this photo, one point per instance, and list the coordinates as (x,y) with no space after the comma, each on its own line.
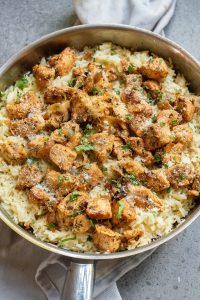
(79,280)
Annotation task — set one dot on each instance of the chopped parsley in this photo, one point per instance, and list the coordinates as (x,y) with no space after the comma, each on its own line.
(117,91)
(72,82)
(60,178)
(127,146)
(181,177)
(59,131)
(168,190)
(32,161)
(130,69)
(86,146)
(157,157)
(51,226)
(165,166)
(133,179)
(21,83)
(88,127)
(174,122)
(89,238)
(162,124)
(92,223)
(171,100)
(74,195)
(69,238)
(104,169)
(113,52)
(2,94)
(120,209)
(129,117)
(117,183)
(154,118)
(46,139)
(87,166)
(95,92)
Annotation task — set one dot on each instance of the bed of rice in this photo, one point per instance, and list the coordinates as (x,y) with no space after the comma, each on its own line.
(153,222)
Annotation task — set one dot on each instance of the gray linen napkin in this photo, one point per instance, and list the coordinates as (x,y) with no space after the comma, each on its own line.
(18,257)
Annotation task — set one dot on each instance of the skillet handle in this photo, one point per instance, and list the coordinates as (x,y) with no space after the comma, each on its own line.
(79,281)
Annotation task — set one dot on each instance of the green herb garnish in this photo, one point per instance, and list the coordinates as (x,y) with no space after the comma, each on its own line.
(162,124)
(174,122)
(21,83)
(157,157)
(86,146)
(31,161)
(92,223)
(133,179)
(168,190)
(104,169)
(59,131)
(89,238)
(117,91)
(154,118)
(129,117)
(60,178)
(181,177)
(74,195)
(117,183)
(94,91)
(113,52)
(130,69)
(51,226)
(127,146)
(72,82)
(165,166)
(70,238)
(120,209)
(2,94)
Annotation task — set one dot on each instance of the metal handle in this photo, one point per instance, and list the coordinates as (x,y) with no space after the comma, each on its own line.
(79,282)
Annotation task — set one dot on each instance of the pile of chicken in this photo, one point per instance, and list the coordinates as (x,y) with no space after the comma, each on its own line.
(84,129)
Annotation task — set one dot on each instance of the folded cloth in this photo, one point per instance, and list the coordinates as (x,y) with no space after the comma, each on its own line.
(50,275)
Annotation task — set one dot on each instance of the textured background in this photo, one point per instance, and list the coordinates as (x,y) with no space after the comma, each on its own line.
(173,271)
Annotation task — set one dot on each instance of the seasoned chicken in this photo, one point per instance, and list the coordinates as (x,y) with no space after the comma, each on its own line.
(119,149)
(62,156)
(155,68)
(63,184)
(132,236)
(106,239)
(169,116)
(29,176)
(28,103)
(123,212)
(63,62)
(81,224)
(89,177)
(103,144)
(57,94)
(183,134)
(196,182)
(137,145)
(156,136)
(153,87)
(132,166)
(180,175)
(56,114)
(13,153)
(99,209)
(186,107)
(40,147)
(39,196)
(52,179)
(43,75)
(157,180)
(172,153)
(27,126)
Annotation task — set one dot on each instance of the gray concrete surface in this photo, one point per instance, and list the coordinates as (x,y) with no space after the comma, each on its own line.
(173,271)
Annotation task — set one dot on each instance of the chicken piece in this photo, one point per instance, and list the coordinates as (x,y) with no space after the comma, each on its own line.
(137,145)
(89,177)
(80,107)
(63,184)
(172,153)
(106,239)
(183,134)
(99,208)
(112,74)
(119,150)
(38,196)
(69,133)
(155,68)
(186,107)
(70,207)
(58,94)
(13,153)
(103,144)
(196,182)
(169,116)
(43,75)
(27,126)
(143,197)
(122,212)
(180,175)
(193,193)
(40,147)
(132,166)
(133,81)
(62,156)
(56,114)
(156,180)
(29,176)
(28,103)
(153,87)
(52,179)
(156,136)
(63,62)
(81,224)
(131,236)
(165,101)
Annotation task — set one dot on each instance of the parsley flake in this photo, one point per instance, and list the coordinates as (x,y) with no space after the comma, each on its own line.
(21,83)
(120,209)
(130,69)
(74,195)
(157,157)
(129,117)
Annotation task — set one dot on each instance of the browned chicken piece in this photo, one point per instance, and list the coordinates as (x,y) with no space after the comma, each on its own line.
(180,175)
(103,144)
(38,196)
(132,166)
(106,239)
(69,133)
(63,184)
(63,62)
(58,94)
(70,207)
(80,107)
(137,145)
(156,136)
(56,114)
(132,235)
(52,179)
(112,74)
(43,75)
(122,212)
(133,81)
(193,193)
(165,101)
(155,68)
(144,197)
(196,182)
(28,103)
(29,176)
(89,177)
(40,147)
(186,107)
(153,87)
(27,126)
(13,153)
(169,116)
(99,208)
(81,224)
(156,180)
(62,156)
(119,150)
(172,153)
(183,134)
